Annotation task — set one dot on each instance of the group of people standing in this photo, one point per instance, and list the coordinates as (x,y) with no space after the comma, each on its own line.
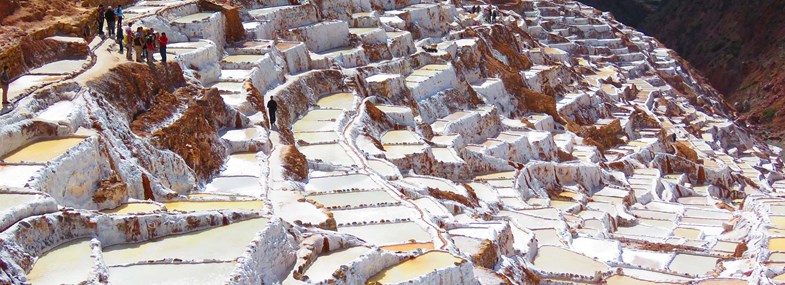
(489,13)
(143,42)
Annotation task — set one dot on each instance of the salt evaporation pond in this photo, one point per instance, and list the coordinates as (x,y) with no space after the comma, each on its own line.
(240,185)
(129,208)
(242,164)
(188,206)
(42,151)
(353,199)
(554,259)
(57,112)
(8,201)
(388,233)
(408,246)
(68,263)
(324,265)
(171,274)
(332,153)
(219,243)
(193,18)
(337,101)
(416,267)
(17,175)
(341,182)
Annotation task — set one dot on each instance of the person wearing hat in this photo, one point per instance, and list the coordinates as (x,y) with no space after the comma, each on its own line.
(109,15)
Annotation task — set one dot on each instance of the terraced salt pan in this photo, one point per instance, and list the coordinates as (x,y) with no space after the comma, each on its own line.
(353,199)
(188,206)
(388,233)
(242,58)
(317,137)
(324,265)
(555,259)
(341,101)
(342,182)
(8,201)
(332,153)
(128,208)
(444,154)
(397,150)
(58,111)
(26,82)
(198,17)
(171,274)
(68,263)
(219,243)
(693,264)
(416,267)
(17,175)
(437,184)
(302,126)
(60,67)
(497,175)
(374,214)
(42,151)
(408,246)
(242,164)
(229,87)
(400,137)
(383,168)
(240,185)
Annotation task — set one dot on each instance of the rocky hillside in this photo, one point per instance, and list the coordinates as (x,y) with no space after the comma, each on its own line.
(738,46)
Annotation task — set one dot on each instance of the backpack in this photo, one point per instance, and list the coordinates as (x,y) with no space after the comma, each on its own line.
(137,41)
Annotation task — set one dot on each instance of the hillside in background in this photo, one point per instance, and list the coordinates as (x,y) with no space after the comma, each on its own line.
(738,45)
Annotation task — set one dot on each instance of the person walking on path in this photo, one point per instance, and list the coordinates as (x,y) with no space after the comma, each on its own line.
(162,42)
(138,44)
(119,15)
(101,18)
(150,45)
(129,41)
(110,23)
(272,106)
(120,38)
(5,80)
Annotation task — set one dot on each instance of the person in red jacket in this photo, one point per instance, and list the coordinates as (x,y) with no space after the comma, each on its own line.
(162,41)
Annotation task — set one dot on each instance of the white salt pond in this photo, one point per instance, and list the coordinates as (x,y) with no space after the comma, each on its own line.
(68,263)
(693,264)
(57,112)
(437,184)
(8,201)
(188,206)
(353,199)
(374,214)
(242,164)
(129,208)
(555,259)
(220,243)
(240,185)
(389,233)
(171,274)
(42,151)
(332,153)
(26,82)
(324,265)
(343,101)
(416,267)
(341,182)
(17,175)
(400,137)
(60,67)
(198,17)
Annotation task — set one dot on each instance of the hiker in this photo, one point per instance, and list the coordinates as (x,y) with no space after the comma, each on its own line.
(101,18)
(109,15)
(120,38)
(129,41)
(150,44)
(162,42)
(5,80)
(272,106)
(119,15)
(138,41)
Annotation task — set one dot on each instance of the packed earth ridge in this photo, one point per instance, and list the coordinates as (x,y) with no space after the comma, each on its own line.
(372,142)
